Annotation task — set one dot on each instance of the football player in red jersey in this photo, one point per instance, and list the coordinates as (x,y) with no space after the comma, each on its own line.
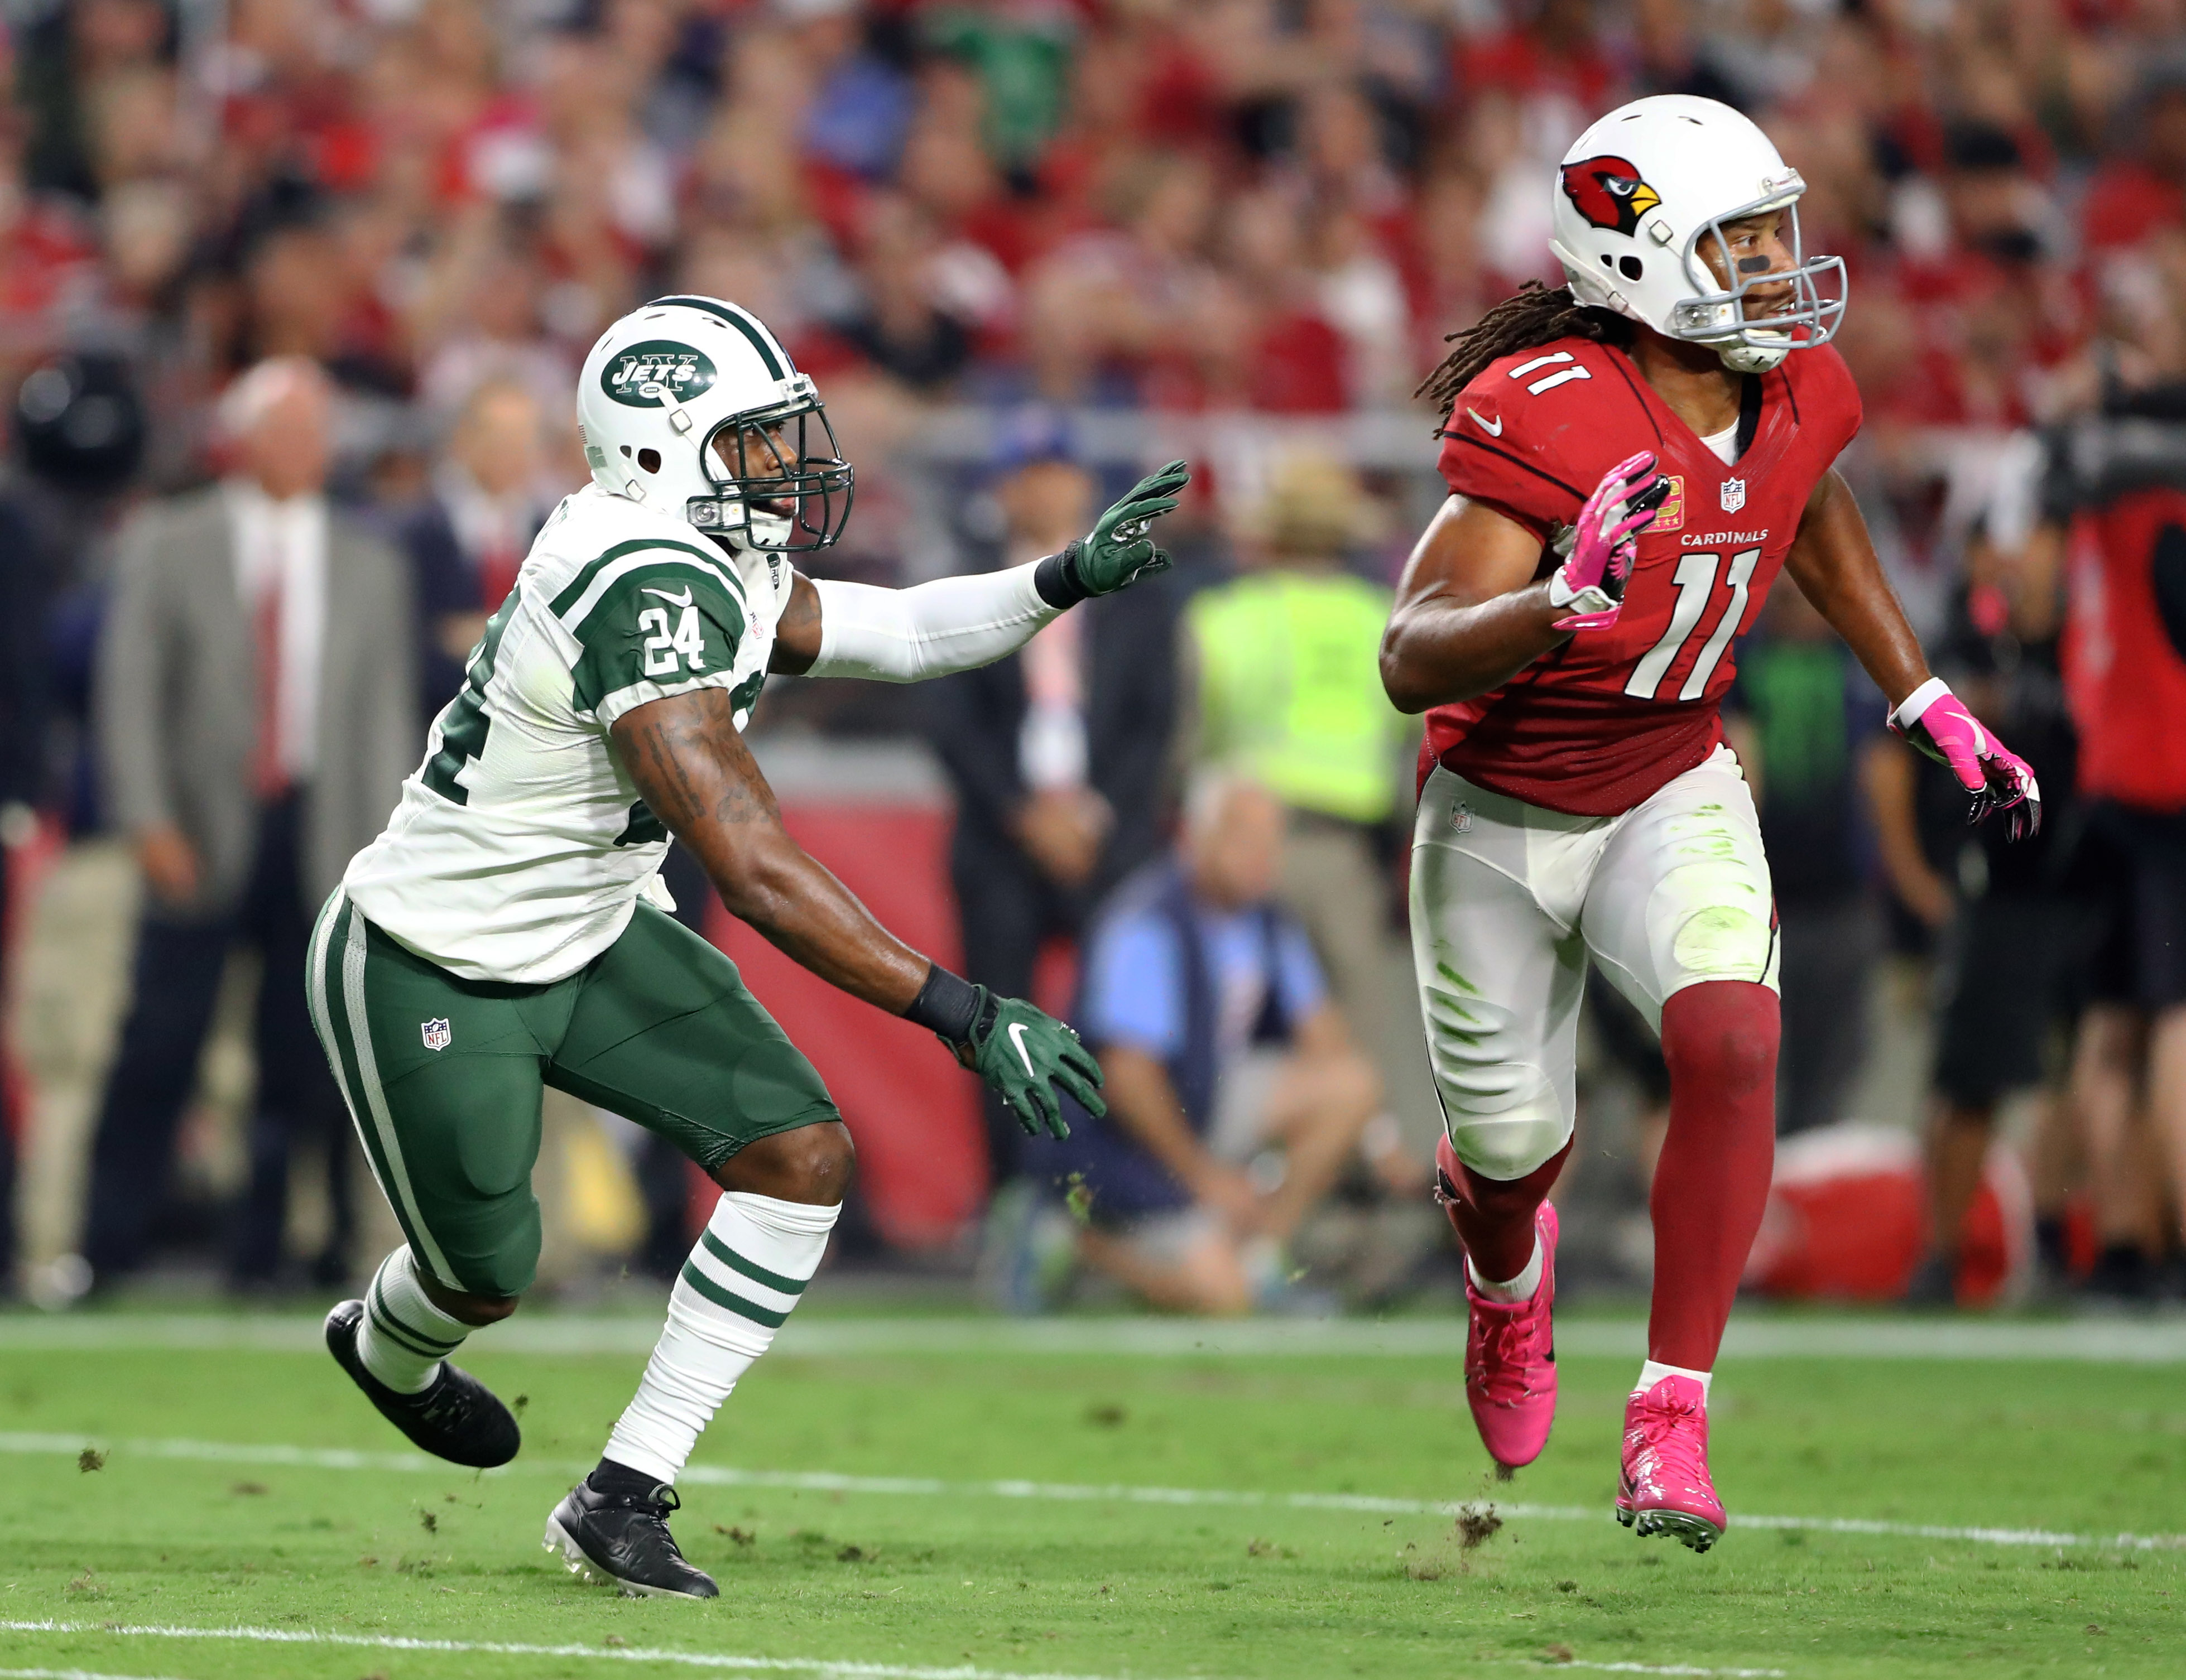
(1631,459)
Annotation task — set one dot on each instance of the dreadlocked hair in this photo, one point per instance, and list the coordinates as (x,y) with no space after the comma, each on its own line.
(1533,315)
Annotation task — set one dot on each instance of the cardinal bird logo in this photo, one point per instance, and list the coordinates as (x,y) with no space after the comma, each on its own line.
(1608,191)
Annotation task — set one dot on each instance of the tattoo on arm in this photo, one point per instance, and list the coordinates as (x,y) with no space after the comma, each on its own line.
(687,758)
(797,636)
(666,746)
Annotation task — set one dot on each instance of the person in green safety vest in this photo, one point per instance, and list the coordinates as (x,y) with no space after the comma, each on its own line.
(1282,684)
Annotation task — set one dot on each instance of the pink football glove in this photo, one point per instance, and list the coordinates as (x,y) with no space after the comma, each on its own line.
(1605,542)
(1936,721)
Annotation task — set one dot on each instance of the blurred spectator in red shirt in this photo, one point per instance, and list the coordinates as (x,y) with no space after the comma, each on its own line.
(2143,189)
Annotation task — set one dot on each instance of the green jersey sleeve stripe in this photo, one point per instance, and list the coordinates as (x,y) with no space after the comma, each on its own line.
(653,621)
(584,590)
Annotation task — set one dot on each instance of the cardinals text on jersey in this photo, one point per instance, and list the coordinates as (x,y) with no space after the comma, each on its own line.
(1596,725)
(520,846)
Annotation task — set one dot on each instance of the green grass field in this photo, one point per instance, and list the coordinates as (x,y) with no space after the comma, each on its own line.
(995,1506)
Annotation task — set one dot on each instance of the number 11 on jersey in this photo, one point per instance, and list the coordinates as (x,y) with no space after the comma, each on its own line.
(1696,581)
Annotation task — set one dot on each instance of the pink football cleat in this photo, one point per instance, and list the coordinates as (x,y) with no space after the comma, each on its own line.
(1665,1488)
(1510,1360)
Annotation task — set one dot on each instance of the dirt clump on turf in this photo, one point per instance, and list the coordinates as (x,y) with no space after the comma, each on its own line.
(91,1458)
(1476,1524)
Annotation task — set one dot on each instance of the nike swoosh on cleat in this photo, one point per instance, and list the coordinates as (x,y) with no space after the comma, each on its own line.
(684,599)
(1016,1037)
(1493,431)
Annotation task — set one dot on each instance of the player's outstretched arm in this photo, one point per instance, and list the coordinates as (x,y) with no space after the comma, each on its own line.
(832,629)
(698,777)
(1835,564)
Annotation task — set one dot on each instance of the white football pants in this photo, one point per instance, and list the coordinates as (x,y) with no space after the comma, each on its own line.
(1509,900)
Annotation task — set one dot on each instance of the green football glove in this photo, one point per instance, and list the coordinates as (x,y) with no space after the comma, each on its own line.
(1118,550)
(1024,1056)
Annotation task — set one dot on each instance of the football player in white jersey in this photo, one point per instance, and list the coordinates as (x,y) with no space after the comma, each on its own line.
(505,933)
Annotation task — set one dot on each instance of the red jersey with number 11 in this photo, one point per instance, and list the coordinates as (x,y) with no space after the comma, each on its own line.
(1597,725)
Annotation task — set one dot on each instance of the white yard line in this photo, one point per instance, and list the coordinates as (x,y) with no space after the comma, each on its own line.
(67,1674)
(819,1665)
(2157,1342)
(1676,1668)
(829,1481)
(395,1642)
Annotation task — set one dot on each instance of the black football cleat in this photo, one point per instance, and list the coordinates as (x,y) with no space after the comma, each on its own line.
(622,1539)
(457,1419)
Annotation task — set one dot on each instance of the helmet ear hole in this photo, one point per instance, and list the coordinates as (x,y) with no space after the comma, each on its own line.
(626,448)
(649,459)
(1631,267)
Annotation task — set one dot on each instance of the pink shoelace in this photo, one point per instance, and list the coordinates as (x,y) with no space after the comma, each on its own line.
(1511,1342)
(1671,1433)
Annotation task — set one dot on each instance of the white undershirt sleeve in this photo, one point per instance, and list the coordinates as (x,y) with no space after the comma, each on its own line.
(908,635)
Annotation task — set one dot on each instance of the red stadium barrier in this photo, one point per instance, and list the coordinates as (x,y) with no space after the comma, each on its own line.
(1848,1219)
(921,1154)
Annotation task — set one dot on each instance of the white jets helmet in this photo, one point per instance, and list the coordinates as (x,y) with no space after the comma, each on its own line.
(690,405)
(1642,188)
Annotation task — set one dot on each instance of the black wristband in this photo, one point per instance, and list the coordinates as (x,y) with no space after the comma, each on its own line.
(1057,579)
(947,1005)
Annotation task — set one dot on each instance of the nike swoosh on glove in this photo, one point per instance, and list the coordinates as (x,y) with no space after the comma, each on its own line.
(1025,1055)
(1605,543)
(1118,550)
(1936,721)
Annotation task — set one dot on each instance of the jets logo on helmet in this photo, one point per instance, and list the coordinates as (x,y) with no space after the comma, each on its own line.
(1608,191)
(645,374)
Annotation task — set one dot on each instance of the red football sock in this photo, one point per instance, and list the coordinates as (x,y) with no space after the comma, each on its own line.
(1711,1182)
(1495,1217)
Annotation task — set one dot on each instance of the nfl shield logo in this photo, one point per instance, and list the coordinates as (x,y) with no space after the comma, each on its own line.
(1460,819)
(436,1034)
(1733,495)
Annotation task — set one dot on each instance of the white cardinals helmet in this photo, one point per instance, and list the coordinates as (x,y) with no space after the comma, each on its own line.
(690,405)
(1640,190)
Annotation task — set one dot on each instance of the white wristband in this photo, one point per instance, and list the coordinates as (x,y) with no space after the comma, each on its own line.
(1592,599)
(1911,707)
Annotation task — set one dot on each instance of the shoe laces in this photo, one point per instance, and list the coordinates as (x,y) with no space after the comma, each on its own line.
(445,1401)
(1661,1422)
(1510,1347)
(1672,1436)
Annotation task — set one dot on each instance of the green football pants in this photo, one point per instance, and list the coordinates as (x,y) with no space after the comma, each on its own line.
(444,1076)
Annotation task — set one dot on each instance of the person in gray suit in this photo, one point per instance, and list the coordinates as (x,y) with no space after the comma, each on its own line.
(256,700)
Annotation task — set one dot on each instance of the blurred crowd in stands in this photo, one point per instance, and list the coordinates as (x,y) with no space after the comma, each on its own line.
(1023,245)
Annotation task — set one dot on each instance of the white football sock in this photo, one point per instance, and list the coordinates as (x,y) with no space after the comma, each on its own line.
(752,1264)
(1523,1287)
(404,1336)
(1651,1372)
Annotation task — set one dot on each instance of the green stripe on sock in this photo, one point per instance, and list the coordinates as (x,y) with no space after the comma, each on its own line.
(383,1325)
(735,1303)
(384,1320)
(728,1256)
